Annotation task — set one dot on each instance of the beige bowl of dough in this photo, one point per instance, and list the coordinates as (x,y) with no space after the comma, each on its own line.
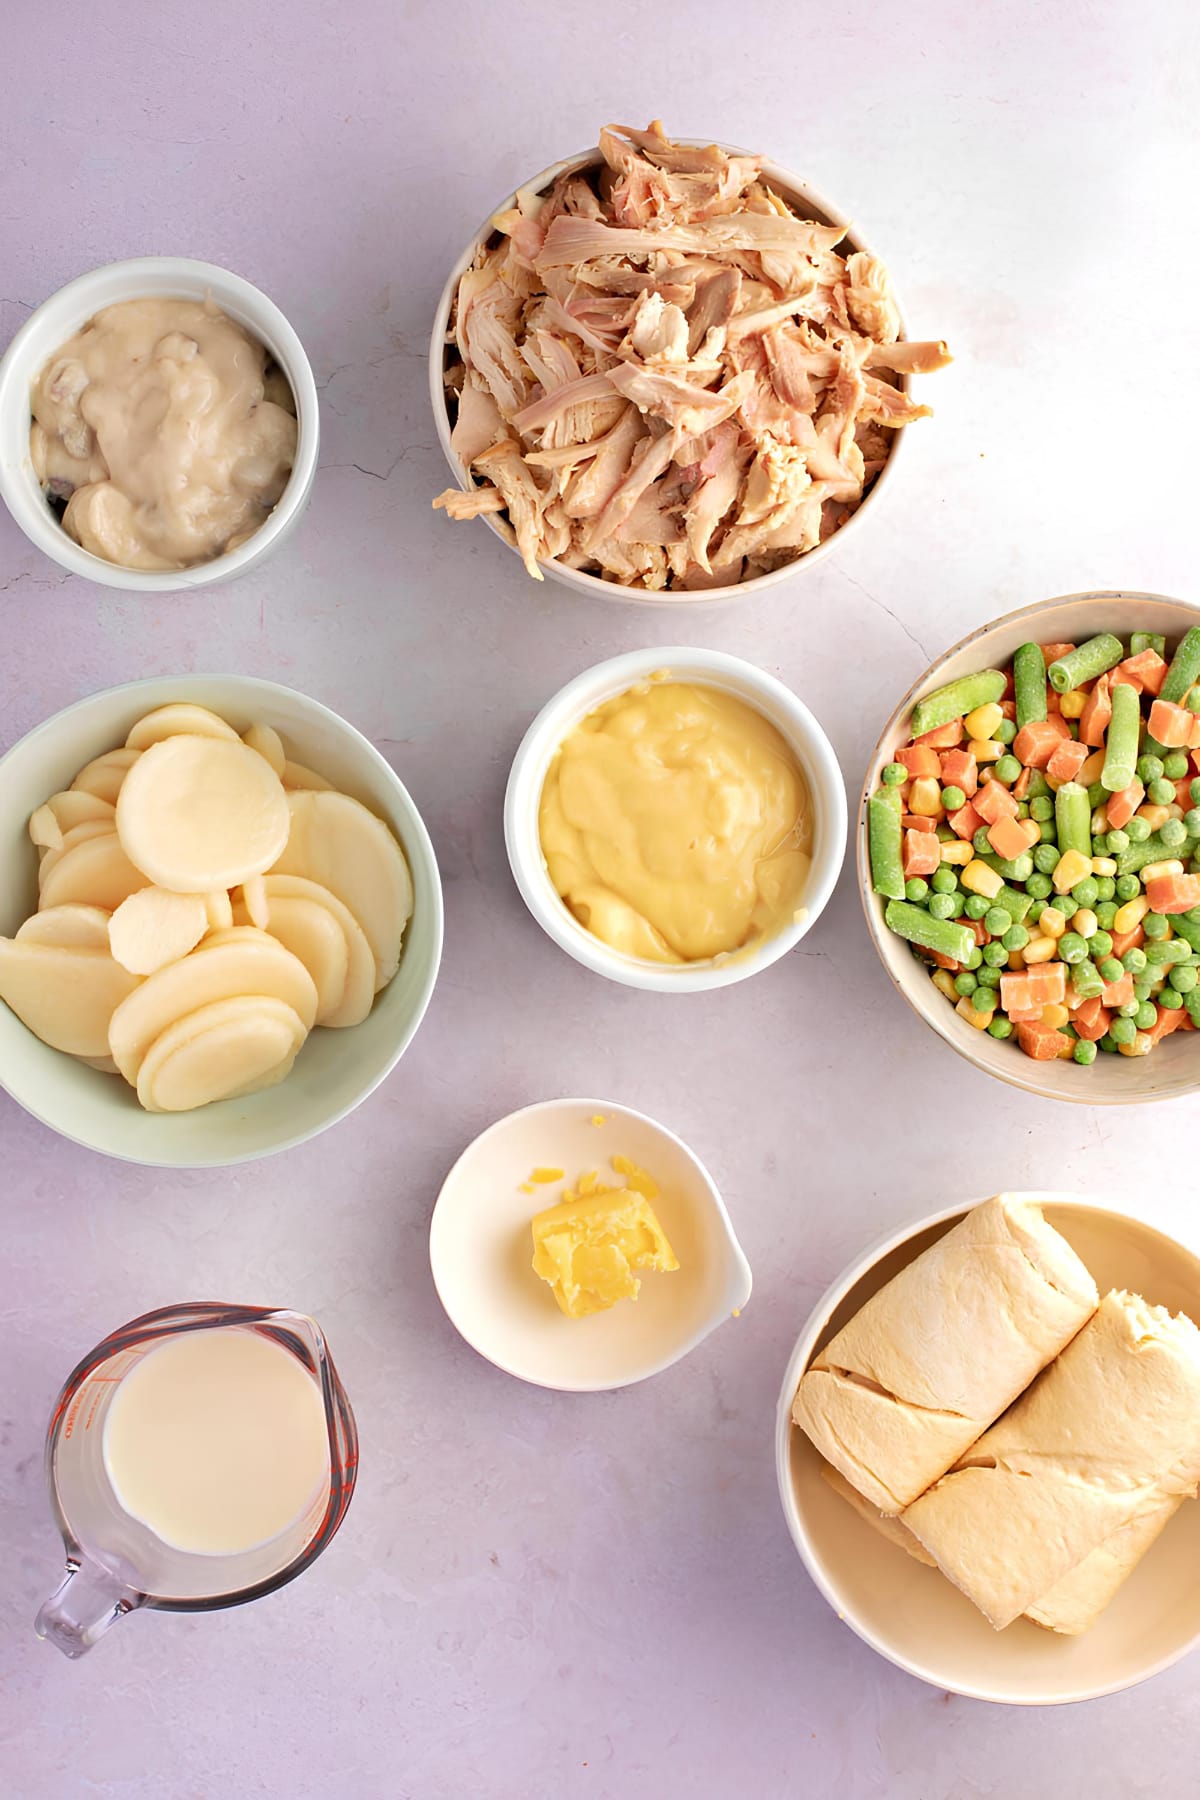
(912,1614)
(808,204)
(1173,1067)
(58,319)
(336,1070)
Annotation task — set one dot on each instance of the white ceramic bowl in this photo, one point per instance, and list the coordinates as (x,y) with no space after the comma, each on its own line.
(480,1249)
(912,1614)
(336,1070)
(809,204)
(1173,1067)
(707,668)
(57,320)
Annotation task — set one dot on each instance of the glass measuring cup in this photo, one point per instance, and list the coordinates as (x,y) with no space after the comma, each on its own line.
(115,1563)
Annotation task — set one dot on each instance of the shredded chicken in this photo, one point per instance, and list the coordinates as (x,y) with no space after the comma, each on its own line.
(665,377)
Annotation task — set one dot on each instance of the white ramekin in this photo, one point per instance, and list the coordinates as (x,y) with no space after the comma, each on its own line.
(707,668)
(810,205)
(57,320)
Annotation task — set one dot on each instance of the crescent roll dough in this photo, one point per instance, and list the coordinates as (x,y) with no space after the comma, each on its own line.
(1094,1457)
(934,1357)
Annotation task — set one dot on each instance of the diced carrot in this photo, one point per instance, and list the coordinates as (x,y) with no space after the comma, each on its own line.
(1097,711)
(1036,743)
(1057,723)
(1121,806)
(966,821)
(940,961)
(1016,994)
(1169,1019)
(1007,836)
(1173,893)
(959,769)
(1033,832)
(1044,984)
(1182,793)
(922,853)
(920,761)
(943,737)
(918,822)
(993,801)
(1041,1042)
(1069,757)
(1194,740)
(1032,1016)
(982,934)
(1052,652)
(1092,1019)
(1127,940)
(1008,705)
(1118,993)
(1171,724)
(1146,671)
(1020,786)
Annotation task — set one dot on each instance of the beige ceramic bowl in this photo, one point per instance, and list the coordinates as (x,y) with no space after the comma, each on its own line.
(1173,1068)
(809,204)
(480,1249)
(910,1613)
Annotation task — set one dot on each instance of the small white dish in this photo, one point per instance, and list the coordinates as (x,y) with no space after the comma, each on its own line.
(58,319)
(335,1070)
(481,1249)
(706,668)
(911,1614)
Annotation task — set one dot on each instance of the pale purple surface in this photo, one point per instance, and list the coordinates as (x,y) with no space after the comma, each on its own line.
(533,1594)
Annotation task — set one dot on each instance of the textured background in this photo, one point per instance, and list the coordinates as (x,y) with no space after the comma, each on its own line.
(536,1595)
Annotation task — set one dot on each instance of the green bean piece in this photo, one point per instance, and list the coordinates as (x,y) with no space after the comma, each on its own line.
(1087,980)
(915,925)
(1185,667)
(956,699)
(1073,816)
(1016,868)
(1029,683)
(1149,850)
(1085,662)
(884,836)
(1121,745)
(1147,640)
(1188,929)
(1014,902)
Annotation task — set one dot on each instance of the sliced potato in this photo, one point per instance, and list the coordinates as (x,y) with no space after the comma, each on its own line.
(77,835)
(254,902)
(224,967)
(72,927)
(173,721)
(219,907)
(75,806)
(197,813)
(104,775)
(44,829)
(218,1051)
(296,776)
(153,928)
(335,841)
(95,872)
(358,996)
(267,741)
(65,995)
(311,932)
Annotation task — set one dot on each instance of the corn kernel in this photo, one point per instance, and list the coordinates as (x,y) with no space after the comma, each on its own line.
(943,980)
(1040,949)
(1071,705)
(1090,772)
(980,1020)
(983,721)
(1141,1045)
(1055,1014)
(1129,916)
(1099,821)
(985,750)
(1085,922)
(1066,1051)
(1155,816)
(957,852)
(1104,865)
(1174,811)
(1052,922)
(1070,868)
(926,798)
(1172,866)
(978,878)
(1016,960)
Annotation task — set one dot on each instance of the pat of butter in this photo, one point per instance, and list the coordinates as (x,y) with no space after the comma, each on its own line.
(588,1247)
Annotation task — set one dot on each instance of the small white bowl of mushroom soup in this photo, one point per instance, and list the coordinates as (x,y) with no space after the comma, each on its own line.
(158,425)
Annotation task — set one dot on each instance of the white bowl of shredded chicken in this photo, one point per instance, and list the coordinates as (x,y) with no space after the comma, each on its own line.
(669,370)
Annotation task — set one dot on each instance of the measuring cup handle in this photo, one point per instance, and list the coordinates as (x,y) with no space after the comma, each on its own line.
(86,1603)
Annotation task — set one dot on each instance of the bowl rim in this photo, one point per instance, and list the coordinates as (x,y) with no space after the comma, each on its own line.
(702,667)
(737,1297)
(163,276)
(417,845)
(579,579)
(798,1360)
(1018,1077)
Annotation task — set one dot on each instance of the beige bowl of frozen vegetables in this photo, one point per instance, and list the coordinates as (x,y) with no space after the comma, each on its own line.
(755,474)
(1173,1066)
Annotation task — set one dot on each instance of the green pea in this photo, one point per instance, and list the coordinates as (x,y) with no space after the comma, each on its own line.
(1192,699)
(959,903)
(997,921)
(1128,887)
(1162,792)
(976,906)
(1129,1010)
(894,774)
(953,798)
(983,1000)
(1040,886)
(1149,768)
(1175,766)
(1142,990)
(994,954)
(1134,960)
(1146,1015)
(1000,1027)
(1005,732)
(1022,809)
(1137,830)
(1122,1031)
(965,983)
(1015,938)
(1171,998)
(1108,1043)
(1084,1052)
(943,881)
(1046,858)
(1047,832)
(1191,819)
(1174,833)
(1183,978)
(1007,769)
(1085,892)
(1100,943)
(1106,887)
(1106,914)
(1071,947)
(1118,843)
(981,843)
(1194,791)
(1155,925)
(975,958)
(989,977)
(1041,808)
(1111,969)
(941,906)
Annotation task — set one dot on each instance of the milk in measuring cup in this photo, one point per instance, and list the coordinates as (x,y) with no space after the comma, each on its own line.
(217,1440)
